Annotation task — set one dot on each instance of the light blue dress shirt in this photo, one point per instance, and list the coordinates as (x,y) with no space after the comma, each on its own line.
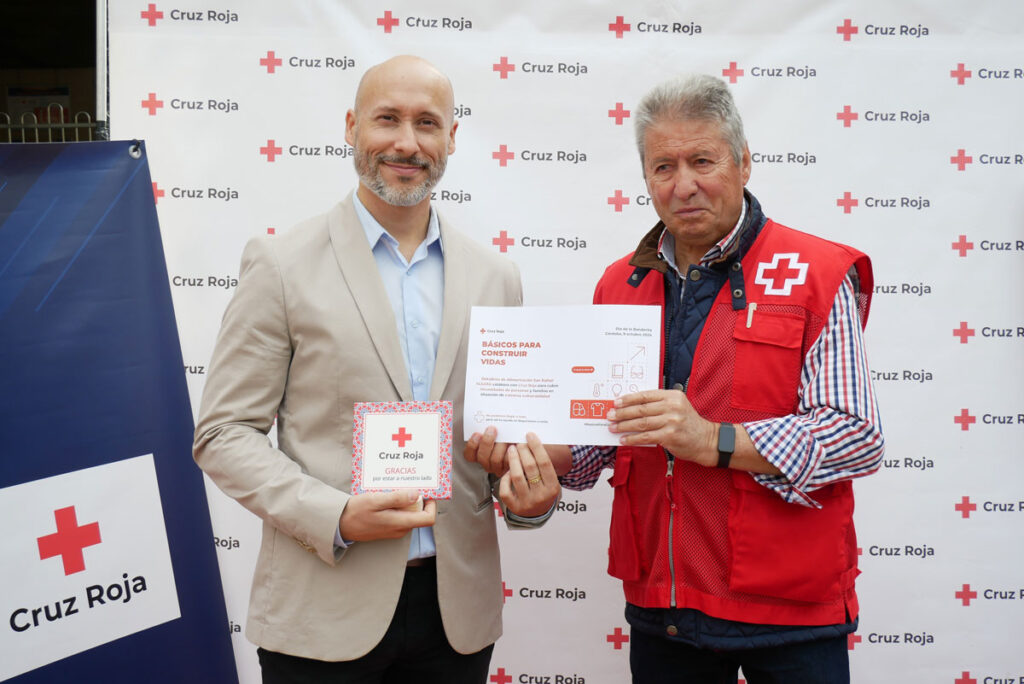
(415,289)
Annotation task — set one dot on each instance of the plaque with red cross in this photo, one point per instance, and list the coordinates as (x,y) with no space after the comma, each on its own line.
(403,445)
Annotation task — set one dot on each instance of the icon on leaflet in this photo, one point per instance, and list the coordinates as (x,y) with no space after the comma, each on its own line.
(618,370)
(597,389)
(597,409)
(616,389)
(639,353)
(636,372)
(578,409)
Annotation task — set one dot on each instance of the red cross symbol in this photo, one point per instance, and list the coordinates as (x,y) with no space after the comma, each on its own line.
(503,155)
(618,201)
(271,231)
(963,332)
(960,74)
(506,593)
(732,73)
(847,116)
(271,61)
(619,27)
(848,202)
(847,29)
(961,160)
(401,437)
(69,540)
(619,113)
(387,21)
(966,507)
(852,640)
(157,193)
(966,595)
(617,638)
(503,241)
(769,273)
(966,678)
(271,150)
(963,246)
(501,677)
(964,420)
(497,509)
(503,67)
(152,104)
(152,14)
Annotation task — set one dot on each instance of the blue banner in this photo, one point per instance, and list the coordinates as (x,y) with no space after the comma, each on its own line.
(107,563)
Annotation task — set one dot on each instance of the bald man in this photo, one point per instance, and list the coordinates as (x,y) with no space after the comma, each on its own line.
(368,302)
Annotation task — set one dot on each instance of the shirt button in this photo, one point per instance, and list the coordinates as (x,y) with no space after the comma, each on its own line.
(694,275)
(671,630)
(419,381)
(415,324)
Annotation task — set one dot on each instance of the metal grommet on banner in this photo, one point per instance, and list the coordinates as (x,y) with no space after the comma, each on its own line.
(135,151)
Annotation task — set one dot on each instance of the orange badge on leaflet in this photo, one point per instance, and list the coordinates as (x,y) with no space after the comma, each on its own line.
(403,445)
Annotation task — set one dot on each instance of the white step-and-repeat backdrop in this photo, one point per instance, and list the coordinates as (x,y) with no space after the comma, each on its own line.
(894,127)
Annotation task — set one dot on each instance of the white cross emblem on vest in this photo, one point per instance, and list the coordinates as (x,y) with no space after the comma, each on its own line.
(768,274)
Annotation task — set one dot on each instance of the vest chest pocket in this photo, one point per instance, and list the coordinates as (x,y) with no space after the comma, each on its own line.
(769,356)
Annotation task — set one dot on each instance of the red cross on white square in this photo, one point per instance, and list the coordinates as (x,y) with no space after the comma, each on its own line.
(152,104)
(963,332)
(960,74)
(847,116)
(732,73)
(966,594)
(965,678)
(618,200)
(617,638)
(503,241)
(271,61)
(157,193)
(619,27)
(852,640)
(847,29)
(387,21)
(964,420)
(961,159)
(401,437)
(503,155)
(963,246)
(506,593)
(271,150)
(966,507)
(847,202)
(793,274)
(503,67)
(619,113)
(69,540)
(152,14)
(501,677)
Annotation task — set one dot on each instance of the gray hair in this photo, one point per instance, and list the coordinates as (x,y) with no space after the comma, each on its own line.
(698,96)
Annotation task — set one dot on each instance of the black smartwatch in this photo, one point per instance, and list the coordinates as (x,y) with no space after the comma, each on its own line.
(726,444)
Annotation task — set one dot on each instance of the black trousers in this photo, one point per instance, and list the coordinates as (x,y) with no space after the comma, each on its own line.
(414,649)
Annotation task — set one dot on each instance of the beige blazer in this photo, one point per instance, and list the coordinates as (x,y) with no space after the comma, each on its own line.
(308,333)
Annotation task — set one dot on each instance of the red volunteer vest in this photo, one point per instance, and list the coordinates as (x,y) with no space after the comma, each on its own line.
(714,539)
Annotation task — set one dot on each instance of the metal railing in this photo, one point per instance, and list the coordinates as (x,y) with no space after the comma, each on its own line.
(54,128)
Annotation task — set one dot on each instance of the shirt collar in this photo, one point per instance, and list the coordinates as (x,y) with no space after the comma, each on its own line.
(376,232)
(667,244)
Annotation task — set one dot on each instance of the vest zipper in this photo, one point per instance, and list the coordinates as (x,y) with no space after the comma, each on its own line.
(671,523)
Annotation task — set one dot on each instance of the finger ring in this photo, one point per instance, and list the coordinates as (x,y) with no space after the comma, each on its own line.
(534,480)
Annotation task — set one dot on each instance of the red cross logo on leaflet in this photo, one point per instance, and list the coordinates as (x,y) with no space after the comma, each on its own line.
(778,279)
(401,437)
(69,540)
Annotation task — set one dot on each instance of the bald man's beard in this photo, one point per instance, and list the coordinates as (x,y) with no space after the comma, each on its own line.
(407,192)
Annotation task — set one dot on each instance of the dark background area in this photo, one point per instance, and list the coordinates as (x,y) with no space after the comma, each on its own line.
(47,50)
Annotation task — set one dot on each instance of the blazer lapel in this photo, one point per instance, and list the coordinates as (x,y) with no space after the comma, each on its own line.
(453,317)
(359,269)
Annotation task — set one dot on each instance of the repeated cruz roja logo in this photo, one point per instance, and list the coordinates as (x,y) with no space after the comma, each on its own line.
(69,540)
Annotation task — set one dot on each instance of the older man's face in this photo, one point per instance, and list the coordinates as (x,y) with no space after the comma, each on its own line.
(694,182)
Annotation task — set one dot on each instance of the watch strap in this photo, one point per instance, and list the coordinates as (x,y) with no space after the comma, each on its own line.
(726,444)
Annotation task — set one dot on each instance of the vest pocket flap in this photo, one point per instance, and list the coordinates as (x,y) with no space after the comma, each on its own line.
(769,327)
